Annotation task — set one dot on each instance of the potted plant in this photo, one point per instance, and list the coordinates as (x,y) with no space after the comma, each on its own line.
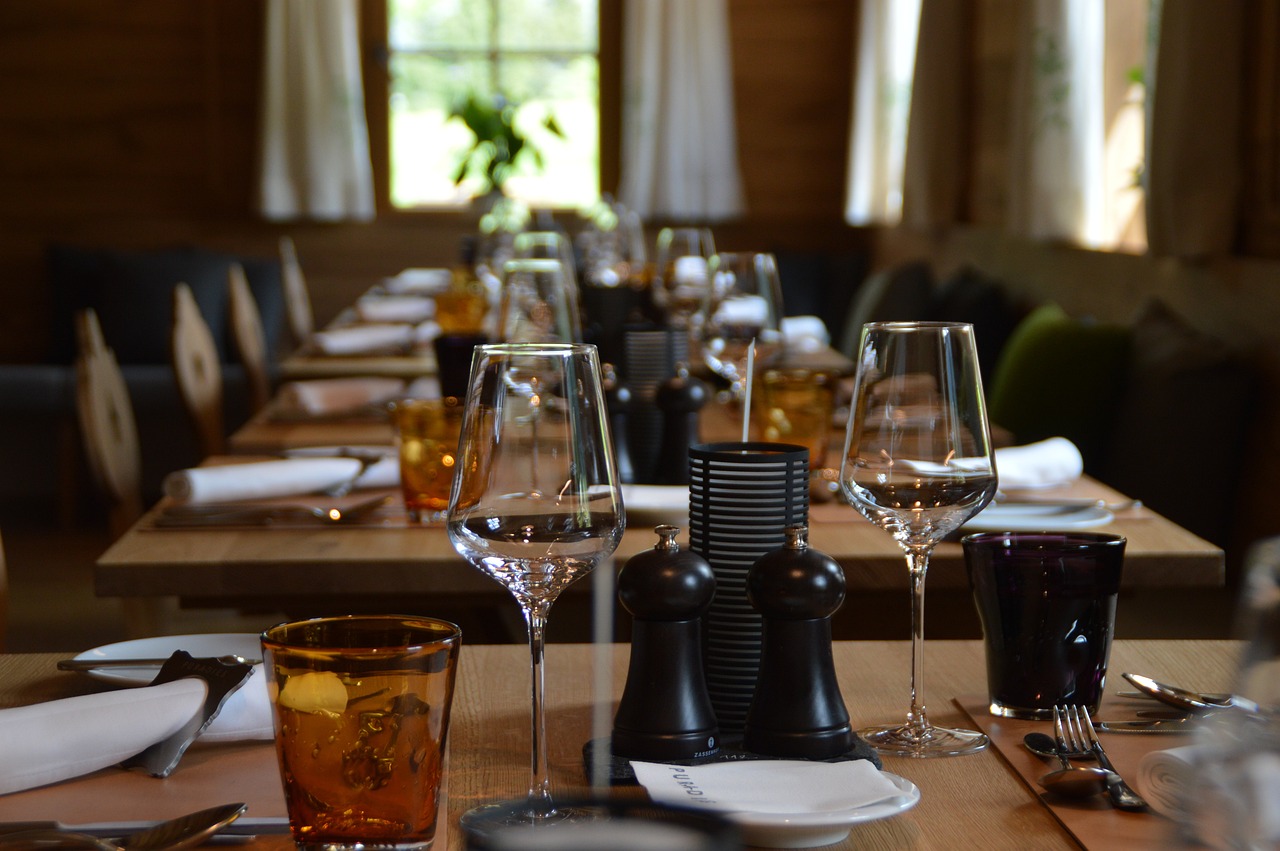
(498,145)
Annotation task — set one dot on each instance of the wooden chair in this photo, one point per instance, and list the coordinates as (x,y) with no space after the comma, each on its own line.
(107,426)
(297,299)
(197,370)
(248,336)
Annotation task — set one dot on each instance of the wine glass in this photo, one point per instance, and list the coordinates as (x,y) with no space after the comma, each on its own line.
(743,304)
(918,463)
(535,505)
(681,269)
(539,303)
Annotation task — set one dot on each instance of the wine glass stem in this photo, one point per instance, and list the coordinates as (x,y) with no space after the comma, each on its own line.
(917,566)
(540,803)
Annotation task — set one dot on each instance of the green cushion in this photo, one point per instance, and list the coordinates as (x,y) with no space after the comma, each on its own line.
(1061,376)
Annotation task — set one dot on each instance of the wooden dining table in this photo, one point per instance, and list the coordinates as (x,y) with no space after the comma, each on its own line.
(986,800)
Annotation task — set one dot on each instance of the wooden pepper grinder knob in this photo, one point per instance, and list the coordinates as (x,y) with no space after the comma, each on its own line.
(665,712)
(797,709)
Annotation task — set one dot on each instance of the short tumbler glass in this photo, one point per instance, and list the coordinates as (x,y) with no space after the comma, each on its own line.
(1047,602)
(361,711)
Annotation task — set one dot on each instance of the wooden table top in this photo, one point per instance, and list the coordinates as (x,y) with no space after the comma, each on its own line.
(978,801)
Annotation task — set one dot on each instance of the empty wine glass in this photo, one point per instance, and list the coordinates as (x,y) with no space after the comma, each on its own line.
(743,304)
(535,505)
(539,304)
(681,272)
(918,463)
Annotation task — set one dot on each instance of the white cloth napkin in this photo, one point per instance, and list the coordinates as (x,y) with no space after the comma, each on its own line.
(768,786)
(259,479)
(1054,461)
(395,308)
(805,333)
(1168,779)
(363,339)
(419,281)
(336,395)
(49,742)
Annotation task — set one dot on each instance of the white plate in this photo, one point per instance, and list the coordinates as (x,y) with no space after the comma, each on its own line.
(809,830)
(653,505)
(244,644)
(1038,518)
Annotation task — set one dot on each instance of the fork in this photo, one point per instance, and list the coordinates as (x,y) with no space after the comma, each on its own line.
(1081,735)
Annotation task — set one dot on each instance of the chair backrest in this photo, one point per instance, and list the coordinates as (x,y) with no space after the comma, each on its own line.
(107,424)
(197,370)
(4,598)
(297,299)
(249,338)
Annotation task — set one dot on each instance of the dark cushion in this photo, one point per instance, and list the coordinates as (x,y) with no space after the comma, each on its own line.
(1189,397)
(1061,376)
(967,295)
(132,294)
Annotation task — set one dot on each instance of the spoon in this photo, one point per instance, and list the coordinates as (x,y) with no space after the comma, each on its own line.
(1072,781)
(172,835)
(1042,745)
(1189,701)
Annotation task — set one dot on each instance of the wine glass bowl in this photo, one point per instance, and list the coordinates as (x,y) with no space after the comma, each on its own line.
(742,305)
(535,504)
(918,463)
(681,269)
(539,303)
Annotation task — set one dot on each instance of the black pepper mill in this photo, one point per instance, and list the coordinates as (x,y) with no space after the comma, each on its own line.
(665,713)
(680,398)
(797,709)
(617,399)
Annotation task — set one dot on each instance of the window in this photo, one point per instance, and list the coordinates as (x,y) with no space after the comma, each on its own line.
(540,56)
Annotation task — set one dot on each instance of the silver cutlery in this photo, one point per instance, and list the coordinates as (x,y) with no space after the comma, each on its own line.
(95,664)
(172,835)
(1175,726)
(1190,701)
(239,514)
(1072,781)
(1080,734)
(1067,502)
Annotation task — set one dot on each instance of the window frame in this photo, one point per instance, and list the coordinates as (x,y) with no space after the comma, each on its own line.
(376,56)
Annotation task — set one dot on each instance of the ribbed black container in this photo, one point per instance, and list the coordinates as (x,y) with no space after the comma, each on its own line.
(742,498)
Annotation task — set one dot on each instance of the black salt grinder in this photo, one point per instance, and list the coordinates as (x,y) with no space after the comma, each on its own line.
(797,709)
(665,712)
(680,398)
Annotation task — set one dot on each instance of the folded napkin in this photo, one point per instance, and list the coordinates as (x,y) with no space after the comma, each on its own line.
(805,333)
(742,310)
(1054,461)
(337,395)
(49,742)
(259,479)
(419,281)
(395,308)
(363,339)
(768,786)
(1170,779)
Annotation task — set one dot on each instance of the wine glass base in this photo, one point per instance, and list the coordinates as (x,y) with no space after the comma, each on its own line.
(906,740)
(488,820)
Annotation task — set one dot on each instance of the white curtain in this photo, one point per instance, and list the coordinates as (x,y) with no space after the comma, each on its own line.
(1058,123)
(1193,177)
(883,69)
(679,142)
(315,143)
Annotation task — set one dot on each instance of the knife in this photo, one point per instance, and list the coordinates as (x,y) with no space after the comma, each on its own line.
(1151,725)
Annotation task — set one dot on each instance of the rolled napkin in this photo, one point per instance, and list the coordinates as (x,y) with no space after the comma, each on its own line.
(1054,461)
(1169,779)
(805,333)
(364,339)
(381,474)
(395,308)
(336,395)
(259,479)
(54,741)
(419,281)
(768,785)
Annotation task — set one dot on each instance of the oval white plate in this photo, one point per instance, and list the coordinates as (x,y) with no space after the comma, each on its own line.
(244,644)
(809,830)
(1038,518)
(653,505)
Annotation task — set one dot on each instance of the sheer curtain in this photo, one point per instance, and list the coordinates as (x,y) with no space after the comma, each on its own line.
(315,143)
(1193,156)
(1058,138)
(883,67)
(679,142)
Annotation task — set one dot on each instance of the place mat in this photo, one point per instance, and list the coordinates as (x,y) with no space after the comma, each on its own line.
(1093,822)
(731,750)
